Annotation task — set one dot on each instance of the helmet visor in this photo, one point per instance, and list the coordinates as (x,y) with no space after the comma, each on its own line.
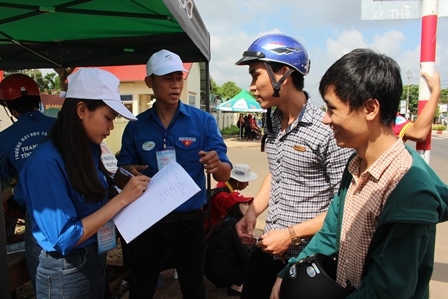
(249,56)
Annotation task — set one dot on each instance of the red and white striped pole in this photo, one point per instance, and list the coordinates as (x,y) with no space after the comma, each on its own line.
(427,62)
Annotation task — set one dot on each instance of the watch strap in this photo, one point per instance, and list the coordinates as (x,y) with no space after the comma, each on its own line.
(292,233)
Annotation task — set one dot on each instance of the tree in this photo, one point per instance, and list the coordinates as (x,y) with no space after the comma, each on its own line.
(229,90)
(444,95)
(413,98)
(215,89)
(47,84)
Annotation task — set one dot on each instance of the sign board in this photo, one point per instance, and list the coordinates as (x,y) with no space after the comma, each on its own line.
(403,104)
(397,10)
(403,107)
(443,108)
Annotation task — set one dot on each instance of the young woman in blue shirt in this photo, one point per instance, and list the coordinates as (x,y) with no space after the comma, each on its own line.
(65,187)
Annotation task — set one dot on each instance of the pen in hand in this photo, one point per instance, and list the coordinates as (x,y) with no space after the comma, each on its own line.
(125,172)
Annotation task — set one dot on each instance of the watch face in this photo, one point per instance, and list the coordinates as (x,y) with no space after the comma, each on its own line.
(296,241)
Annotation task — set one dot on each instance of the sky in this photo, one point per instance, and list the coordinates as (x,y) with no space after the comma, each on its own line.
(327,28)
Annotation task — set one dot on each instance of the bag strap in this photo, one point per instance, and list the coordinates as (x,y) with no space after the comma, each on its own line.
(215,191)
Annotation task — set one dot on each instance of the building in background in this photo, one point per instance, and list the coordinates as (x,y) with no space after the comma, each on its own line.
(136,96)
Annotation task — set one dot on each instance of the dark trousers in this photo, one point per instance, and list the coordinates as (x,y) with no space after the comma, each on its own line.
(186,242)
(262,272)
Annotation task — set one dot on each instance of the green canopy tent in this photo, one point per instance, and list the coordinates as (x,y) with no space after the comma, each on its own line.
(63,33)
(242,102)
(60,33)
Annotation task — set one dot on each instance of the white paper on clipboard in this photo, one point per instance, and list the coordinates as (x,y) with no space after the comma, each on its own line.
(168,189)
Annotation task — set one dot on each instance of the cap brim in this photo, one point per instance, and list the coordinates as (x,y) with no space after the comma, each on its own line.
(121,109)
(246,60)
(244,178)
(168,70)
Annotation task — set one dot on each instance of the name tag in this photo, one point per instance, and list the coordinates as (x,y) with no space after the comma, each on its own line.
(107,237)
(164,157)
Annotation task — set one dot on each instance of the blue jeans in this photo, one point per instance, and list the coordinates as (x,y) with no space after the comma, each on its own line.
(32,251)
(186,242)
(81,274)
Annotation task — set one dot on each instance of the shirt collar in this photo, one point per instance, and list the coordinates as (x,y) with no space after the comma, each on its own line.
(181,108)
(307,117)
(381,164)
(29,114)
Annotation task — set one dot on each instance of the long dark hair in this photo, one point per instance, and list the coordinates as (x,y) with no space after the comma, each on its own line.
(70,138)
(233,212)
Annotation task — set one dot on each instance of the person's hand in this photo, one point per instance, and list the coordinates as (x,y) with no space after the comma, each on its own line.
(433,81)
(275,242)
(63,73)
(121,179)
(136,169)
(245,229)
(275,293)
(134,188)
(210,160)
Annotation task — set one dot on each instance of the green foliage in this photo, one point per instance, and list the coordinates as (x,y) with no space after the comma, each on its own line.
(47,84)
(229,90)
(439,127)
(444,95)
(232,130)
(215,89)
(413,97)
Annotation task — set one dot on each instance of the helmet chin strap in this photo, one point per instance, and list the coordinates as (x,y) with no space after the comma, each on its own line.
(276,85)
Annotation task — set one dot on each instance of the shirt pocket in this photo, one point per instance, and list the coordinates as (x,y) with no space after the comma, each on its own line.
(187,148)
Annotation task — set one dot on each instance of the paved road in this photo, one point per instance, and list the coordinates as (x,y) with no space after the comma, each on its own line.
(249,153)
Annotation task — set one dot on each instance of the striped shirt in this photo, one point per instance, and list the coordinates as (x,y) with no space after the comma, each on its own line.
(364,202)
(306,167)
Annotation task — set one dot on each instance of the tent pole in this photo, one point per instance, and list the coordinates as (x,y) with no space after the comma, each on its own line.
(207,108)
(241,127)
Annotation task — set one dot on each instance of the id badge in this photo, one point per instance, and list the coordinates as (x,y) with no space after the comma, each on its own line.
(107,237)
(164,157)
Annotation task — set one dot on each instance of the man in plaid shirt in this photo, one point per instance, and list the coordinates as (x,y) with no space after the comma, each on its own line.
(305,164)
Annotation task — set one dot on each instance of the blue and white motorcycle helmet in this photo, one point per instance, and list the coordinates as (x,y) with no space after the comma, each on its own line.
(279,48)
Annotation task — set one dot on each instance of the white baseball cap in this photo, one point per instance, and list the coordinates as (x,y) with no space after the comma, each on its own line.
(164,62)
(241,172)
(97,84)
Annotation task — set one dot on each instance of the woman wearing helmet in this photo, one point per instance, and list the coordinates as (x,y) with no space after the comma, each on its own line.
(305,165)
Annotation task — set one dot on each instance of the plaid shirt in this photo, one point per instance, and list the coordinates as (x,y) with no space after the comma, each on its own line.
(306,167)
(364,202)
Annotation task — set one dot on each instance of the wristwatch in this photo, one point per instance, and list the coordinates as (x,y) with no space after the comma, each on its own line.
(294,239)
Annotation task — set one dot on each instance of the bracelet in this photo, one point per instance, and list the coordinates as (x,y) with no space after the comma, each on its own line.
(12,190)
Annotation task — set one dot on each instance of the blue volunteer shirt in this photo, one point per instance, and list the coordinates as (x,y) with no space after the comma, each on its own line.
(190,131)
(20,139)
(55,207)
